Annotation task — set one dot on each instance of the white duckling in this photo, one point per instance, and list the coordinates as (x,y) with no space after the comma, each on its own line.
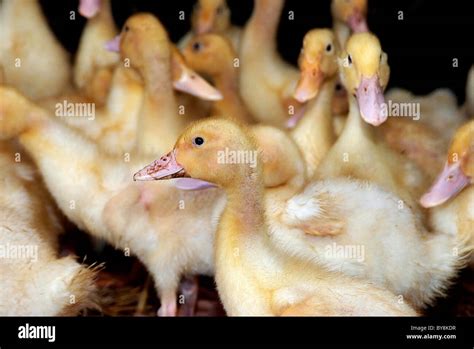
(35,281)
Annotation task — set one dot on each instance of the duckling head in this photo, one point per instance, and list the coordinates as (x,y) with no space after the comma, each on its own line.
(351,12)
(365,72)
(143,39)
(213,150)
(317,61)
(211,16)
(458,171)
(209,54)
(185,79)
(89,8)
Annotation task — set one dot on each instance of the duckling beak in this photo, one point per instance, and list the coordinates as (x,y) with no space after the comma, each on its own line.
(89,8)
(113,45)
(165,167)
(309,83)
(450,182)
(371,101)
(190,82)
(357,22)
(205,22)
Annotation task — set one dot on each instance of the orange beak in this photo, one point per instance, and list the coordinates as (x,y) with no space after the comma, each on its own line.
(309,83)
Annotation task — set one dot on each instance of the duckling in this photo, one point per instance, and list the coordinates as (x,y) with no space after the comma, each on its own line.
(145,42)
(93,68)
(451,198)
(140,92)
(266,81)
(357,153)
(212,16)
(349,16)
(314,133)
(212,55)
(246,262)
(35,281)
(32,58)
(168,229)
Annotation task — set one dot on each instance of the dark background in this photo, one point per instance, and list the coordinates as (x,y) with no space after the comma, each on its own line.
(421,48)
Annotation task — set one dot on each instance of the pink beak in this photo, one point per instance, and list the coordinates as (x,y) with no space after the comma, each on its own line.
(450,182)
(357,22)
(113,45)
(89,8)
(165,167)
(192,83)
(371,100)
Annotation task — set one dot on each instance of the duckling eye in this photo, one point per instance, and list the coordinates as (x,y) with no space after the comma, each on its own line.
(198,141)
(197,46)
(349,59)
(126,28)
(329,48)
(220,10)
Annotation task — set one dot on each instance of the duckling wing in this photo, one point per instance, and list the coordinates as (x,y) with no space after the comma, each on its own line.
(314,212)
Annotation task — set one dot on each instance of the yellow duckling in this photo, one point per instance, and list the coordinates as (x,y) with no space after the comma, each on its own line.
(33,60)
(93,67)
(212,55)
(266,81)
(349,16)
(452,195)
(314,133)
(357,153)
(213,16)
(246,262)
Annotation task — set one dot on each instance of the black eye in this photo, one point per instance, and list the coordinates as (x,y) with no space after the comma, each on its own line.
(329,48)
(349,59)
(126,28)
(198,141)
(220,10)
(197,46)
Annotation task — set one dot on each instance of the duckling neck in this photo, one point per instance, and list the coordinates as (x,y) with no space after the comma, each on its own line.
(355,126)
(105,12)
(342,32)
(159,123)
(314,134)
(231,105)
(263,25)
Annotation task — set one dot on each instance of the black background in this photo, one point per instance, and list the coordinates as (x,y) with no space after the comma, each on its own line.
(421,48)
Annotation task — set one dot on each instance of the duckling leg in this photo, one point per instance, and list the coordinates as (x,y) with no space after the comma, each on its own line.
(189,291)
(168,304)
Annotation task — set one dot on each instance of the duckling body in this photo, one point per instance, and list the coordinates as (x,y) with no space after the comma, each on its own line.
(35,281)
(32,58)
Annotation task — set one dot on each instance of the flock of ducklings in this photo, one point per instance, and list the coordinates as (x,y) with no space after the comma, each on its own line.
(330,169)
